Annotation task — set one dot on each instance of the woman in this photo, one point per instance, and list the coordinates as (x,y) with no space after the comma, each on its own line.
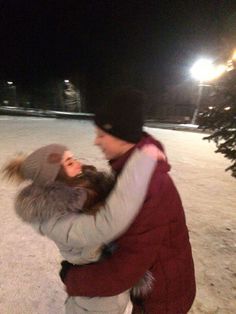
(61,191)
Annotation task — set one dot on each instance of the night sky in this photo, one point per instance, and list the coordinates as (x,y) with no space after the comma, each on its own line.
(149,44)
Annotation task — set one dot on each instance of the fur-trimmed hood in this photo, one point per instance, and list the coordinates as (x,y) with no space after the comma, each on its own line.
(38,203)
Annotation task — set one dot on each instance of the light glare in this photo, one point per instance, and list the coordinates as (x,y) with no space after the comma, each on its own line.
(234,55)
(219,70)
(202,70)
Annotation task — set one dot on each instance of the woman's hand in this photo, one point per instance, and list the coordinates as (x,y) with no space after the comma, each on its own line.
(154,152)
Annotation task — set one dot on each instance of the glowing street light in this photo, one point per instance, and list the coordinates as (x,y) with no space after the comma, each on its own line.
(204,70)
(200,71)
(13,88)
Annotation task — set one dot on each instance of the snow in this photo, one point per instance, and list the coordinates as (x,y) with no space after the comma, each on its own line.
(30,263)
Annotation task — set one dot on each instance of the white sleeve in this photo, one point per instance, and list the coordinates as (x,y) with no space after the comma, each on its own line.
(119,211)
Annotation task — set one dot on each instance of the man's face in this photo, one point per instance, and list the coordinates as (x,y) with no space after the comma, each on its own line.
(111,146)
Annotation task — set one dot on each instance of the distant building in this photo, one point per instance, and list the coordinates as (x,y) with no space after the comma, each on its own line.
(177,102)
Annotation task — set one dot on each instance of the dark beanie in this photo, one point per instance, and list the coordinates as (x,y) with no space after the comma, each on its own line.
(122,115)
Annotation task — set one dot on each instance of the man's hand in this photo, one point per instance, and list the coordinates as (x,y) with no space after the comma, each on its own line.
(154,152)
(65,266)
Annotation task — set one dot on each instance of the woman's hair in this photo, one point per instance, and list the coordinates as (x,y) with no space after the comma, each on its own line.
(97,183)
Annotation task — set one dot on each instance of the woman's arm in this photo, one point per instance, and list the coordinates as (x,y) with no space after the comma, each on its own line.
(121,208)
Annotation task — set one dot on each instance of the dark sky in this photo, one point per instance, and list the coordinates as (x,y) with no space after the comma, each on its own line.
(152,43)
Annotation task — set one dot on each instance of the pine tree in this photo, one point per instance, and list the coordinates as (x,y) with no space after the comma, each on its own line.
(220,119)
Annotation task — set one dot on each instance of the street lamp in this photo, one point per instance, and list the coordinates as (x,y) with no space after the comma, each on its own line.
(200,71)
(13,87)
(204,71)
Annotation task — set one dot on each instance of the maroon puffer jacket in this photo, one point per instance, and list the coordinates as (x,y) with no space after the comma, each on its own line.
(158,241)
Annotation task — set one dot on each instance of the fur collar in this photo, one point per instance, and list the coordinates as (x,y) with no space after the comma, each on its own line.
(37,203)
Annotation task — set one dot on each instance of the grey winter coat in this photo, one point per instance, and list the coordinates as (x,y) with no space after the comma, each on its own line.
(53,211)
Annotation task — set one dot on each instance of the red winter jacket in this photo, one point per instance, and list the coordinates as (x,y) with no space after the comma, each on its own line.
(157,240)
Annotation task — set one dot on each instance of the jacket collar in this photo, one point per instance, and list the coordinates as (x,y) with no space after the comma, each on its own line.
(118,164)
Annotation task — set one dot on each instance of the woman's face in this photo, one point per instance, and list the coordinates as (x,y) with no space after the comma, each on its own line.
(71,166)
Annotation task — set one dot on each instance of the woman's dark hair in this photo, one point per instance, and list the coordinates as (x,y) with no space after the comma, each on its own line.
(97,183)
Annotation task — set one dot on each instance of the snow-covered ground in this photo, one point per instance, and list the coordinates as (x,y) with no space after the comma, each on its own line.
(29,263)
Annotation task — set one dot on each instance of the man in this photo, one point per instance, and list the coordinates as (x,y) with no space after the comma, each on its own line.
(158,239)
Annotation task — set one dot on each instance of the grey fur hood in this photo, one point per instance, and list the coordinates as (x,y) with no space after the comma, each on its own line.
(38,203)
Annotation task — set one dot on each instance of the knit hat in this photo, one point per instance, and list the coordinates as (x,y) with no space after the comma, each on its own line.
(43,165)
(122,115)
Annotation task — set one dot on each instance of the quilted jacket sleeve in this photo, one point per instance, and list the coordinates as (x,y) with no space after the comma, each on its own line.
(121,207)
